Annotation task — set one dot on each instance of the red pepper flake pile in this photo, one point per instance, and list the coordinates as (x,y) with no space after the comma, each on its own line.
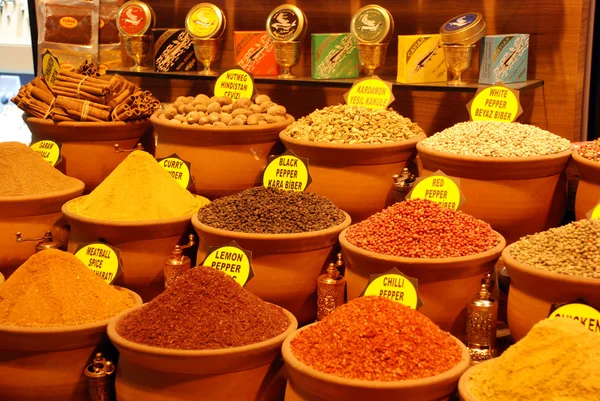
(373,338)
(422,229)
(204,309)
(591,151)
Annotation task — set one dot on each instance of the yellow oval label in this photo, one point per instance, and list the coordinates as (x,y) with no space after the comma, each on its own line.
(101,23)
(235,83)
(100,258)
(495,103)
(584,314)
(203,22)
(178,169)
(438,188)
(50,68)
(68,22)
(232,261)
(287,172)
(595,212)
(394,287)
(49,150)
(372,93)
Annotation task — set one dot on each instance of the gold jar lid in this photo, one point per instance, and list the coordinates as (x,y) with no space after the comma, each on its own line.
(286,23)
(135,18)
(372,24)
(205,21)
(464,29)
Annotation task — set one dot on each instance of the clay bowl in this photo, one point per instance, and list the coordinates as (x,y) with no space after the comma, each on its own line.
(463,383)
(588,190)
(286,266)
(48,363)
(144,245)
(308,384)
(247,373)
(357,178)
(32,216)
(445,285)
(224,160)
(516,195)
(88,150)
(533,291)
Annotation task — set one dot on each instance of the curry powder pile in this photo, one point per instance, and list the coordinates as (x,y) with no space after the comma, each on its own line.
(53,288)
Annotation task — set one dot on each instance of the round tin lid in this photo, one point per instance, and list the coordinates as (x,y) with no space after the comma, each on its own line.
(286,23)
(204,21)
(464,29)
(372,24)
(135,18)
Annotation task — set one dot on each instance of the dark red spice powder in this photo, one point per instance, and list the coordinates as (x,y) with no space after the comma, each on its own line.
(204,309)
(422,229)
(373,338)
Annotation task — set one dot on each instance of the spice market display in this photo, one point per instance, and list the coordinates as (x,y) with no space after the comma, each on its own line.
(590,151)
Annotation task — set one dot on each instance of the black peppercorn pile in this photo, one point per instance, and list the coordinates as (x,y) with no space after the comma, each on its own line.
(263,210)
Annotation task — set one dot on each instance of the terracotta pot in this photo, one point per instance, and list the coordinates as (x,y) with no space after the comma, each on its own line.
(357,178)
(144,245)
(308,384)
(588,190)
(88,150)
(224,160)
(47,363)
(516,195)
(32,216)
(247,373)
(286,266)
(533,291)
(445,285)
(463,384)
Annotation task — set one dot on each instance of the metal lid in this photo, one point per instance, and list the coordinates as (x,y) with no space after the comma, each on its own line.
(465,29)
(135,18)
(205,21)
(286,23)
(372,24)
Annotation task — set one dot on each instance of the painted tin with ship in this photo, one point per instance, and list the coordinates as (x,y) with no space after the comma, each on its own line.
(135,18)
(254,52)
(334,55)
(372,24)
(173,50)
(286,23)
(421,59)
(205,21)
(504,58)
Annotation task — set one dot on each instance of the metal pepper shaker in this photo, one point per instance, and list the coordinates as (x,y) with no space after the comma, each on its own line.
(47,241)
(331,289)
(403,184)
(100,383)
(177,263)
(482,314)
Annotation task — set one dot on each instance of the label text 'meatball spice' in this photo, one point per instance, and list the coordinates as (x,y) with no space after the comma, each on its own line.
(345,124)
(263,210)
(573,249)
(496,139)
(590,150)
(204,309)
(373,338)
(421,228)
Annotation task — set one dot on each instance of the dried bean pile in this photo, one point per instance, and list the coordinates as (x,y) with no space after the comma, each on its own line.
(496,139)
(573,249)
(271,211)
(420,228)
(204,309)
(591,151)
(373,338)
(353,125)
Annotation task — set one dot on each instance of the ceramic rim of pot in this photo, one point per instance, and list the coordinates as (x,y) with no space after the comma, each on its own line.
(512,263)
(119,340)
(423,261)
(463,383)
(295,363)
(587,164)
(84,124)
(397,145)
(269,237)
(51,196)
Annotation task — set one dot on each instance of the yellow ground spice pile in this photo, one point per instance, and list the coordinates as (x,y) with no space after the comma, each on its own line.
(24,173)
(559,359)
(138,189)
(53,288)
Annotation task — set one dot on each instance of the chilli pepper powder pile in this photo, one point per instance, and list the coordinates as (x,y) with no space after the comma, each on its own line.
(373,338)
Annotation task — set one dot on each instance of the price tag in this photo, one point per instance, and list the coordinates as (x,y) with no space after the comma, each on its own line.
(288,172)
(232,260)
(495,103)
(371,92)
(102,259)
(49,149)
(580,311)
(396,287)
(594,214)
(178,168)
(235,83)
(50,68)
(438,188)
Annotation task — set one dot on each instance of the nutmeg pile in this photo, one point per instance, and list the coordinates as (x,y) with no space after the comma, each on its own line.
(223,111)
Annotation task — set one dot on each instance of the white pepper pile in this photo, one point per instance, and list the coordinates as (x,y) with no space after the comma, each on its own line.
(353,125)
(573,249)
(496,139)
(263,210)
